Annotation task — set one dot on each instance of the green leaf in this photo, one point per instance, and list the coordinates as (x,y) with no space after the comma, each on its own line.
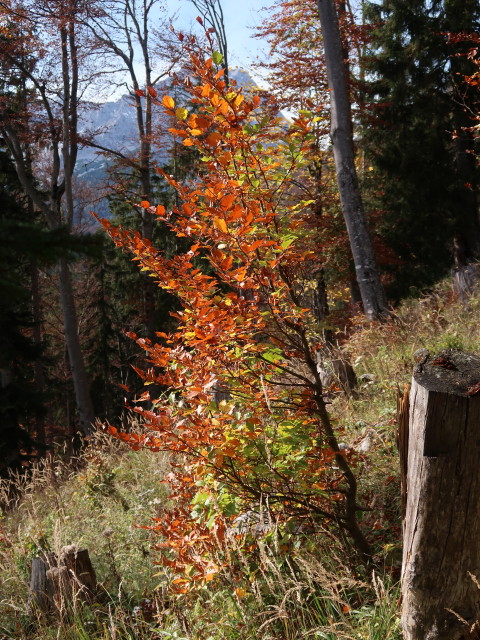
(288,241)
(217,57)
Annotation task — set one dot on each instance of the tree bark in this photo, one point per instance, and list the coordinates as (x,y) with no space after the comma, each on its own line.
(441,555)
(366,270)
(72,339)
(39,373)
(41,588)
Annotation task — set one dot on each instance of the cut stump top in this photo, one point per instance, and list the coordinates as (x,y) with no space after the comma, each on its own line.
(450,371)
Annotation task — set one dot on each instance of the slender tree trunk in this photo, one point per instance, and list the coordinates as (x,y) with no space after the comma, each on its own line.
(79,374)
(366,270)
(37,338)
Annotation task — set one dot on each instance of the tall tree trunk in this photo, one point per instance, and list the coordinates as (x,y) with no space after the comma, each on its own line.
(79,374)
(368,278)
(39,372)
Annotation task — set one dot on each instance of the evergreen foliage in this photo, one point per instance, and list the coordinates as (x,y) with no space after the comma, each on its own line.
(420,169)
(20,401)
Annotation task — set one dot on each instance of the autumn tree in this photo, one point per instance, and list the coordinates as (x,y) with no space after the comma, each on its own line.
(295,63)
(242,328)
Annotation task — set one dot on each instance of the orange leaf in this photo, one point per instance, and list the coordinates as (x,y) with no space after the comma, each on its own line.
(168,102)
(152,92)
(223,107)
(224,158)
(188,142)
(227,263)
(145,204)
(213,139)
(254,246)
(220,224)
(161,211)
(239,274)
(179,132)
(227,201)
(235,213)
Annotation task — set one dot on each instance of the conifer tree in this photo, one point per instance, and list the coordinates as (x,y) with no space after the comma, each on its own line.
(427,178)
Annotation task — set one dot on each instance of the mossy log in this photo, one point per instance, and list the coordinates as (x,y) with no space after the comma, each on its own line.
(441,554)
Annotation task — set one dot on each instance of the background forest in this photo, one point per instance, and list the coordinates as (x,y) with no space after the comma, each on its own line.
(278,256)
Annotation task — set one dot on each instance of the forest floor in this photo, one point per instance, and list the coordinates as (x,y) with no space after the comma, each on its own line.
(304,589)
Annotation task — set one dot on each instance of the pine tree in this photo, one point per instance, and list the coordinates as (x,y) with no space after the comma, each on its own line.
(421,170)
(22,403)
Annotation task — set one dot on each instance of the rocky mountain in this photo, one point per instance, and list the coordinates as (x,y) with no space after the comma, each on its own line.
(112,125)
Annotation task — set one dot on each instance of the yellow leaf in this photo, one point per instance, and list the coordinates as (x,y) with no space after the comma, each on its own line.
(238,100)
(241,593)
(181,113)
(220,224)
(168,102)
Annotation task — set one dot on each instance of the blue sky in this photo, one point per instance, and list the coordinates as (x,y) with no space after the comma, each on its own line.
(240,17)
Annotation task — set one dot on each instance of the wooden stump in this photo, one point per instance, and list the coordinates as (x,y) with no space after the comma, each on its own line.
(57,580)
(441,554)
(41,587)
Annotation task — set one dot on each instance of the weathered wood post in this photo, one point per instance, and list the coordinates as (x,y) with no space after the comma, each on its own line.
(67,578)
(441,553)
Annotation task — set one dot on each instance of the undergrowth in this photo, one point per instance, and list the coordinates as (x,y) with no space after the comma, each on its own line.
(273,586)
